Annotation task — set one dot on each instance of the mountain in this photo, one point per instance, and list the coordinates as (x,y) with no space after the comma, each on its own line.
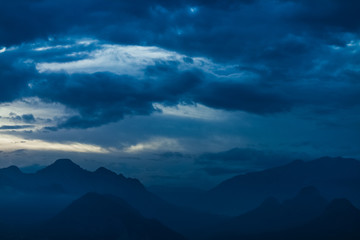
(66,177)
(42,194)
(106,217)
(307,216)
(92,217)
(181,196)
(75,180)
(272,215)
(340,220)
(35,197)
(334,177)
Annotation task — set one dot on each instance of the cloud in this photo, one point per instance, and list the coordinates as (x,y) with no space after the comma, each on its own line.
(131,79)
(119,59)
(109,61)
(15,127)
(245,97)
(102,98)
(89,17)
(335,14)
(136,80)
(194,111)
(155,144)
(14,77)
(209,75)
(28,118)
(12,143)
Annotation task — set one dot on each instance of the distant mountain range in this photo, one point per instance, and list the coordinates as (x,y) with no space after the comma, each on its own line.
(66,177)
(334,177)
(294,201)
(272,215)
(51,189)
(307,216)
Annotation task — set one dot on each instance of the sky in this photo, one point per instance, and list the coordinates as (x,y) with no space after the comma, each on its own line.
(184,93)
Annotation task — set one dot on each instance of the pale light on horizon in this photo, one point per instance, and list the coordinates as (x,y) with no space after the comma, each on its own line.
(12,143)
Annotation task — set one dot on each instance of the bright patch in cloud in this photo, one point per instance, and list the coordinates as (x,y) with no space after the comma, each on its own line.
(44,113)
(164,144)
(122,60)
(193,10)
(34,106)
(130,60)
(12,143)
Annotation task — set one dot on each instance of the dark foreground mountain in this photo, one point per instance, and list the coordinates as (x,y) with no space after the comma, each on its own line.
(38,196)
(35,197)
(94,217)
(307,216)
(341,220)
(272,215)
(334,177)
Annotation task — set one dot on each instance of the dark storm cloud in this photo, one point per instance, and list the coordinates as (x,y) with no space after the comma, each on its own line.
(243,25)
(28,118)
(285,45)
(323,14)
(14,77)
(23,21)
(237,96)
(102,98)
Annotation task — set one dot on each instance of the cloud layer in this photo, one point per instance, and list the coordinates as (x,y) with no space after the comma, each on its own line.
(194,75)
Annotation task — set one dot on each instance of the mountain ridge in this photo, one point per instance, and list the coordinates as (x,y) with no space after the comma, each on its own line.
(334,177)
(66,179)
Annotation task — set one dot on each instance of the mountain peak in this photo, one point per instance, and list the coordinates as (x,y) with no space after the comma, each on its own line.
(65,164)
(96,216)
(64,161)
(62,165)
(307,198)
(11,170)
(341,205)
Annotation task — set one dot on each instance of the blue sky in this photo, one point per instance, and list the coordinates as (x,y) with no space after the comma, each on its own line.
(162,90)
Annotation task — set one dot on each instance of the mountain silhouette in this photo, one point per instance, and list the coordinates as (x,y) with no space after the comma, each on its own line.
(334,177)
(42,194)
(12,170)
(340,220)
(272,215)
(106,217)
(61,165)
(121,207)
